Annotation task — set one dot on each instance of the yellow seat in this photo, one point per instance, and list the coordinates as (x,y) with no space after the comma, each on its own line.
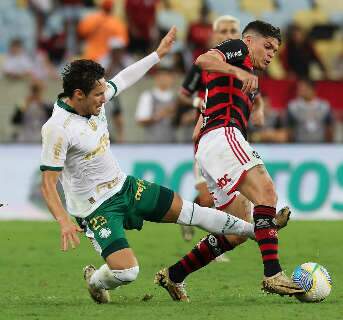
(189,8)
(328,51)
(257,7)
(329,6)
(309,18)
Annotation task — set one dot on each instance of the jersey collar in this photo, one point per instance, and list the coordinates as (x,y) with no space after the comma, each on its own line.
(68,108)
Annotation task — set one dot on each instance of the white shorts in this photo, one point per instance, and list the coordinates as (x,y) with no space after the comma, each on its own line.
(224,157)
(198,177)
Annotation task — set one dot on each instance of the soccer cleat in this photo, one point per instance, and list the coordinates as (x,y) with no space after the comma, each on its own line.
(187,232)
(177,291)
(282,217)
(98,295)
(280,284)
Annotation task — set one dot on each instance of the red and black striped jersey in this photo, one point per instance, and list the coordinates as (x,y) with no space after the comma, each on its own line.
(194,82)
(226,104)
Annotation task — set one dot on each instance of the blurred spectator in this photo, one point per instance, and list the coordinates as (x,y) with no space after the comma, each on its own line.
(299,54)
(156,108)
(338,67)
(115,61)
(115,120)
(141,21)
(117,58)
(97,28)
(17,63)
(200,32)
(42,67)
(31,115)
(273,130)
(309,118)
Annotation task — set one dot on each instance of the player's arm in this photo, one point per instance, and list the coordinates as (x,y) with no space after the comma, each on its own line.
(257,116)
(197,129)
(68,228)
(54,149)
(130,75)
(190,85)
(216,60)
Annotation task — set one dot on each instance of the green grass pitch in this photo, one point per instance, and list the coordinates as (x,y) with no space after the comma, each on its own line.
(38,281)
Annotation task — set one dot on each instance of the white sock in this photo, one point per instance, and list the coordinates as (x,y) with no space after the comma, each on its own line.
(213,220)
(104,278)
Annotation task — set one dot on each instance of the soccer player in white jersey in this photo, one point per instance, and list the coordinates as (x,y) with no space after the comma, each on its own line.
(76,150)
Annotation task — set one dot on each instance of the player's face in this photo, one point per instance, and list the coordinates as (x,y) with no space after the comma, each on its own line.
(263,51)
(96,98)
(226,30)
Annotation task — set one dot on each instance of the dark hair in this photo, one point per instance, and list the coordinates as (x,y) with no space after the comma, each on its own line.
(80,74)
(264,29)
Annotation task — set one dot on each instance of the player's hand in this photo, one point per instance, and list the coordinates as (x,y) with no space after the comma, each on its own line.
(69,235)
(250,81)
(166,43)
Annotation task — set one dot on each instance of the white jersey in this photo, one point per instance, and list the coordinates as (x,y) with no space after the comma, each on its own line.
(79,146)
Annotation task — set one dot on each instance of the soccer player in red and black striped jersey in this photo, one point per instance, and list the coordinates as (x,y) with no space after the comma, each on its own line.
(227,160)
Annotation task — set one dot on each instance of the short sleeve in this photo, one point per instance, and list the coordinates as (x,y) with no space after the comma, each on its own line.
(54,148)
(232,51)
(111,90)
(192,82)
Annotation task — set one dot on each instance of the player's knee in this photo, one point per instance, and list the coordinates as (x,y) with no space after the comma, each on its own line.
(126,276)
(206,201)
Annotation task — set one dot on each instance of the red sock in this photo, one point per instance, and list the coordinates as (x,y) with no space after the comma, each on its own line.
(267,238)
(203,253)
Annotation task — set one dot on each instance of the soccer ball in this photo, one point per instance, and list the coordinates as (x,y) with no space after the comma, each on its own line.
(314,279)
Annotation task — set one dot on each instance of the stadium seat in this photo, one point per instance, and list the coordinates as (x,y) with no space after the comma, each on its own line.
(189,9)
(221,7)
(244,17)
(277,18)
(328,50)
(337,18)
(330,5)
(309,18)
(166,19)
(294,5)
(257,7)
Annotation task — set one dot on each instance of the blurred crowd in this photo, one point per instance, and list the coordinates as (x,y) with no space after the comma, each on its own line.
(40,36)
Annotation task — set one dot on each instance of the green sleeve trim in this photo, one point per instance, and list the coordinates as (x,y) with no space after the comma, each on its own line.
(114,87)
(47,168)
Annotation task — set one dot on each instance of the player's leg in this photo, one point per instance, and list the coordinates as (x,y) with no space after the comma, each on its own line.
(203,199)
(106,230)
(258,187)
(213,245)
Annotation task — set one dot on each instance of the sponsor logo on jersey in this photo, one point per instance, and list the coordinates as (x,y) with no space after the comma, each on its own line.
(104,233)
(58,148)
(222,182)
(107,185)
(92,123)
(235,54)
(100,149)
(91,200)
(140,189)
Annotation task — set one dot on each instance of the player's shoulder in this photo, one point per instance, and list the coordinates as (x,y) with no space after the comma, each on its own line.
(58,122)
(232,45)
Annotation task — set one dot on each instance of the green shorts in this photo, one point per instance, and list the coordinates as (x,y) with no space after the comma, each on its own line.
(138,200)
